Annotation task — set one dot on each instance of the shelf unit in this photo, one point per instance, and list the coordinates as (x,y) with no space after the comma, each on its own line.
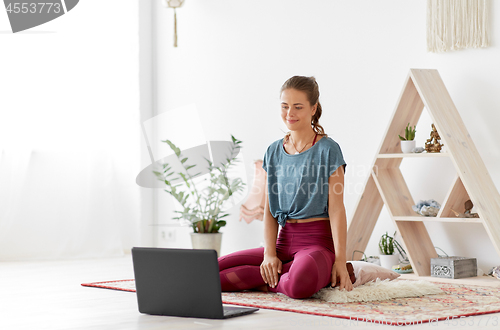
(386,185)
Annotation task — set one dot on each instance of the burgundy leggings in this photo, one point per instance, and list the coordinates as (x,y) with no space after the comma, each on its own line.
(307,255)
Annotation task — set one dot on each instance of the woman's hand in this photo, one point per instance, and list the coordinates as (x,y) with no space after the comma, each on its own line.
(339,270)
(269,270)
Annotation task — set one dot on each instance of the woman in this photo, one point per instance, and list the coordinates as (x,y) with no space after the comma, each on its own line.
(304,194)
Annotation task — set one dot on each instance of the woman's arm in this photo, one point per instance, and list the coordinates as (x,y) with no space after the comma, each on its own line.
(271,265)
(338,223)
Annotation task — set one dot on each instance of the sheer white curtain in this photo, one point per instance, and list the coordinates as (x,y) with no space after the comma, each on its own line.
(70,135)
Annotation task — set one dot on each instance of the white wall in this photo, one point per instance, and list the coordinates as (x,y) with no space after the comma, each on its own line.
(233,57)
(147,106)
(69,134)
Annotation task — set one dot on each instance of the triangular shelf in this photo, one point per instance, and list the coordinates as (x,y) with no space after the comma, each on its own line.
(454,200)
(386,185)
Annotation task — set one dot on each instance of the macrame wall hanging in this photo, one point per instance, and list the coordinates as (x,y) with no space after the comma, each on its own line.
(174,4)
(457,24)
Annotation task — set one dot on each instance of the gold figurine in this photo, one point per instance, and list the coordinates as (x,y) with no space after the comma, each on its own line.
(433,144)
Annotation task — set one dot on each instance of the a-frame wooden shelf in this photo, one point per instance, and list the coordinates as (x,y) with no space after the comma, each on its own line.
(386,185)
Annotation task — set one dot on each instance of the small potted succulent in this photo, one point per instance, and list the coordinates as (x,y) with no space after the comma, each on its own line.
(202,208)
(388,246)
(408,141)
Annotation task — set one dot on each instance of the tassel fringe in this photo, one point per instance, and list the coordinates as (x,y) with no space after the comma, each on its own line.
(175,28)
(457,24)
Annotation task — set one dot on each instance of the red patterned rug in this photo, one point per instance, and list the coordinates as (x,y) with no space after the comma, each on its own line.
(456,301)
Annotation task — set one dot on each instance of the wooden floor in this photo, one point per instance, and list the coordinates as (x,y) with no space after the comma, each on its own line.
(48,295)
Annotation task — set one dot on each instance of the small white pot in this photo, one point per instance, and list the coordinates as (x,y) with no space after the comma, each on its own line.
(387,261)
(210,241)
(407,146)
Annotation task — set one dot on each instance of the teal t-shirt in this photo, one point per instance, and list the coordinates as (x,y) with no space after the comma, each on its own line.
(298,184)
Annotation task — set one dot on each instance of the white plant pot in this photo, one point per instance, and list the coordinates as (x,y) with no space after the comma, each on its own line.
(387,261)
(210,241)
(407,146)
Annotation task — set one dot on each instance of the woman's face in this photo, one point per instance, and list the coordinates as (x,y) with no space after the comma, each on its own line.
(296,111)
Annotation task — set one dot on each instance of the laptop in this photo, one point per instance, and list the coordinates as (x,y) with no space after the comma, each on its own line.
(180,282)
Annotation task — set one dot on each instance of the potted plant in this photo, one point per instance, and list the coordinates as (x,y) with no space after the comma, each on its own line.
(408,142)
(203,210)
(388,245)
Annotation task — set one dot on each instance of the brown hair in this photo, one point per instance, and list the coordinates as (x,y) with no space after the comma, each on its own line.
(311,88)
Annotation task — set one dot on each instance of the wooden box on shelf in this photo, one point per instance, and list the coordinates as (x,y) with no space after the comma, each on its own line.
(453,267)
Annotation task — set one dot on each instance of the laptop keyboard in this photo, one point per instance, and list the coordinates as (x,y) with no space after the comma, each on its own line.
(231,312)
